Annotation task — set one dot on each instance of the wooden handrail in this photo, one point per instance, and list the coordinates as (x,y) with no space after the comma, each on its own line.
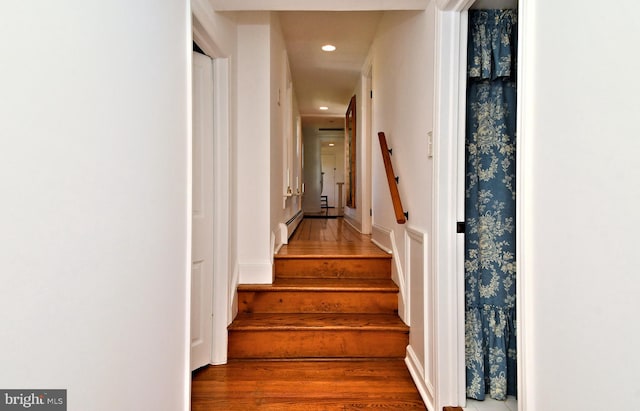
(401,217)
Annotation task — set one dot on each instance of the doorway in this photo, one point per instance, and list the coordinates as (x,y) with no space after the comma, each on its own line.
(328,179)
(486,192)
(221,225)
(332,171)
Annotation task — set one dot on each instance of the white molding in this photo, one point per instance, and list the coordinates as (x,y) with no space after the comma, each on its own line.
(280,234)
(353,222)
(223,297)
(401,279)
(366,145)
(460,197)
(398,274)
(222,209)
(525,89)
(417,236)
(454,5)
(201,22)
(233,295)
(291,225)
(382,232)
(449,286)
(274,247)
(188,216)
(415,369)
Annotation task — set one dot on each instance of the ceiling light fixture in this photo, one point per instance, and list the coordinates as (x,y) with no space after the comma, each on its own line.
(324,108)
(331,144)
(329,47)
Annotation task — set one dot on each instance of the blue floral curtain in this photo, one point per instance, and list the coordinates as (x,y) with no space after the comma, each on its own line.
(490,190)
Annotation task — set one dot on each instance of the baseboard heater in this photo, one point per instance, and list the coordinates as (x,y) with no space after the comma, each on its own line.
(291,225)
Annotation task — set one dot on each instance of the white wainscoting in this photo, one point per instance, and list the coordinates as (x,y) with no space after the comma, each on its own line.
(422,298)
(385,239)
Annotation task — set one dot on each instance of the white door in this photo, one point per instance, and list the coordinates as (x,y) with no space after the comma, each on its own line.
(329,178)
(202,213)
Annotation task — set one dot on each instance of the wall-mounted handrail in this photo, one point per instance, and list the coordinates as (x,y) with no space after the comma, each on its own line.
(401,216)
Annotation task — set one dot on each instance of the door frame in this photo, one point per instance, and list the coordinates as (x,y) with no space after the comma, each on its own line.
(221,210)
(449,127)
(202,220)
(366,143)
(450,286)
(222,293)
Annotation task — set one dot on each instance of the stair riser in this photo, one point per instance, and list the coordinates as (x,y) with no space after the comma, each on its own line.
(374,268)
(317,344)
(317,301)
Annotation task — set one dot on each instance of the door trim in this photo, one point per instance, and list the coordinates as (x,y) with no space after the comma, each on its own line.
(449,123)
(367,133)
(223,280)
(450,285)
(222,209)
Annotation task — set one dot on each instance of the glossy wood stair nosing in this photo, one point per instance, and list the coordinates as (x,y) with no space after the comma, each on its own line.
(301,295)
(373,267)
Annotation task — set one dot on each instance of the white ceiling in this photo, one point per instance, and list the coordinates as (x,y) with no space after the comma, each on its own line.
(318,5)
(321,78)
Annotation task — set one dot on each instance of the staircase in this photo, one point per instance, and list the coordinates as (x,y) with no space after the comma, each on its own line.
(321,307)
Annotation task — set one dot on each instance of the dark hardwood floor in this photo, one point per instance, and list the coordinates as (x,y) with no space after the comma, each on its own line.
(343,280)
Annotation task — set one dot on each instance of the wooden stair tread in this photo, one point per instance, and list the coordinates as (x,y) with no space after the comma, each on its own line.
(317,321)
(306,385)
(332,253)
(323,284)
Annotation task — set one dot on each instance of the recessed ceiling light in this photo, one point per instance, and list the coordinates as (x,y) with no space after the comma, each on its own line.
(328,47)
(324,108)
(331,144)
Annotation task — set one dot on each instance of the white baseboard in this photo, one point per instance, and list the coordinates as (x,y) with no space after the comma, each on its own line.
(291,225)
(357,225)
(416,370)
(381,236)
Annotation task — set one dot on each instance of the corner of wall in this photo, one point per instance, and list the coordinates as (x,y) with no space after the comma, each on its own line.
(256,273)
(350,217)
(233,295)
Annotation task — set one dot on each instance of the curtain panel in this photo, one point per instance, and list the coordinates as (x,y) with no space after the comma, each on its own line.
(490,274)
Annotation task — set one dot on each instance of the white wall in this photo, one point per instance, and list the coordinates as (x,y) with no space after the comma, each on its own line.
(94,170)
(402,109)
(261,111)
(253,150)
(578,194)
(403,96)
(283,109)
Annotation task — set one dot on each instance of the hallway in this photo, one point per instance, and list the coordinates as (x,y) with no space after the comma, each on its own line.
(317,382)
